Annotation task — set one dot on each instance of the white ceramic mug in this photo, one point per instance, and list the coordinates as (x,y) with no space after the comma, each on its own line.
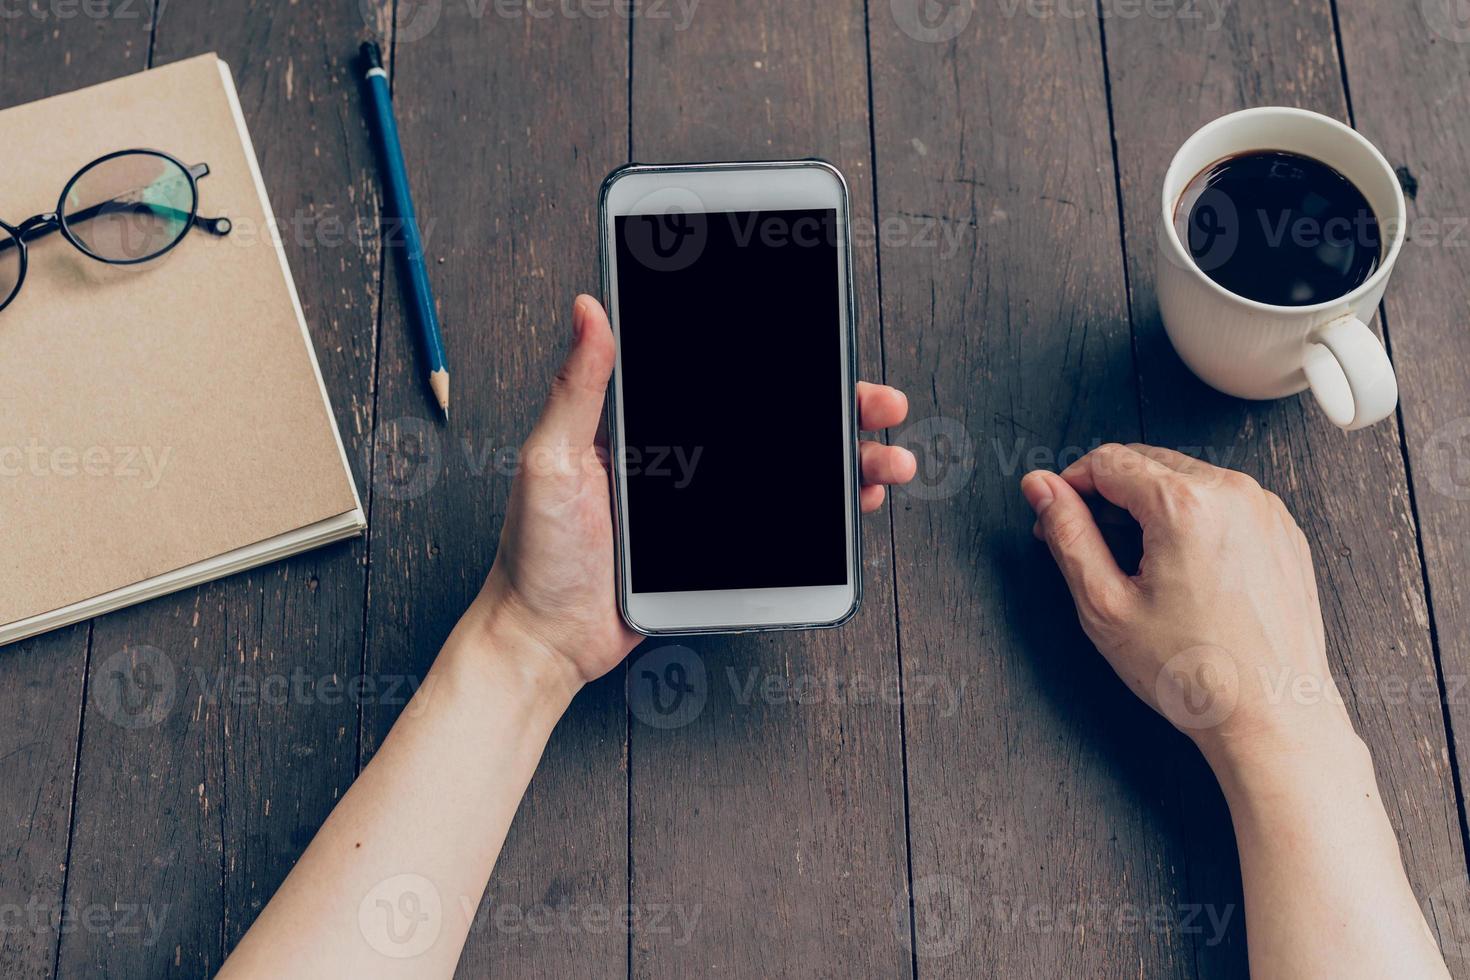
(1256,350)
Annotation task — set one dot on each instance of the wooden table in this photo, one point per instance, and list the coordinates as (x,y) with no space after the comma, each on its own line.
(1015,813)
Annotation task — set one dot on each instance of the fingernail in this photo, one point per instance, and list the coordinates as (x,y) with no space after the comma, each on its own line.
(581,310)
(1036,491)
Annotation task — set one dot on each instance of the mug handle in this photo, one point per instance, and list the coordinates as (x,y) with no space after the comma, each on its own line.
(1350,373)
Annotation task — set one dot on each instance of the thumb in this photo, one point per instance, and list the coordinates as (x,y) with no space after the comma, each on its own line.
(574,407)
(1065,522)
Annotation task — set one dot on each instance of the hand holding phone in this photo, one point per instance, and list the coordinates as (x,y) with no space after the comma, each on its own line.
(551,593)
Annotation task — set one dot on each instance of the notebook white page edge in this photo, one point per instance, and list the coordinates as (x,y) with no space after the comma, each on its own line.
(344,525)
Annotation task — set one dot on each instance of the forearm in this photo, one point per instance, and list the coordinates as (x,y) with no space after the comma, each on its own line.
(405,857)
(1325,889)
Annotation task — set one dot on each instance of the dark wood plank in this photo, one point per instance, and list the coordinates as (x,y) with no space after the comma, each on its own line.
(1347,490)
(1407,65)
(41,692)
(1042,812)
(41,680)
(776,815)
(198,816)
(509,123)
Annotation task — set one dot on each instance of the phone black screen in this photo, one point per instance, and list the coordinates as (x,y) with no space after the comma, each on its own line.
(732,400)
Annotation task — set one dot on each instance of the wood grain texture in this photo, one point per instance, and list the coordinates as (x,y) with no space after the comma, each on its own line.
(509,123)
(41,680)
(1053,826)
(194,811)
(1348,491)
(1407,65)
(1043,813)
(41,695)
(776,815)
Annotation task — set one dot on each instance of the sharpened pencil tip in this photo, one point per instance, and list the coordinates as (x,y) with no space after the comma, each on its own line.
(439,382)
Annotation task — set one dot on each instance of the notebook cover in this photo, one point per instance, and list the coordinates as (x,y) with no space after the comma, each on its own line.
(157,415)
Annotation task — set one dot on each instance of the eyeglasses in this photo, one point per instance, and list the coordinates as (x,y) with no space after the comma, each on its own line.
(124,208)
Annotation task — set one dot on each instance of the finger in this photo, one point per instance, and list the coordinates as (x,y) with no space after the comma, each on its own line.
(1172,458)
(1179,462)
(880,406)
(870,498)
(573,410)
(1092,574)
(1124,477)
(886,464)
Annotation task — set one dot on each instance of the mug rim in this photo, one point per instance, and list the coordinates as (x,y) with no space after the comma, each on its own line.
(1346,299)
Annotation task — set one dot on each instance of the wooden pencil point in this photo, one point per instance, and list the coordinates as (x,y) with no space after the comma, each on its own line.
(439,382)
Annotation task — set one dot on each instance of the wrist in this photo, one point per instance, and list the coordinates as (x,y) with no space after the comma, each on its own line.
(1302,758)
(489,645)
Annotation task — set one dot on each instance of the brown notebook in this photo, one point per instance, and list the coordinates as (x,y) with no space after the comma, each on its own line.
(162,424)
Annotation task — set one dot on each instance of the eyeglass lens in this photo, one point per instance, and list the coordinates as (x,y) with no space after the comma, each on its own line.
(129,207)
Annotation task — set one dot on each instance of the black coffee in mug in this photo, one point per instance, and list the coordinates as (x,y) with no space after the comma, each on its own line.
(1279,228)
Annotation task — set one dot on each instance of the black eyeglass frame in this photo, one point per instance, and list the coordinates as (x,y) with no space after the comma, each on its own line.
(45,223)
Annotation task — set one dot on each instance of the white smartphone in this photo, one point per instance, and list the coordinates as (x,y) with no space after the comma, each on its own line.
(732,419)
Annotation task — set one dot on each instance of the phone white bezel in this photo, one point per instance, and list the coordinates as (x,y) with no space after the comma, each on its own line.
(774,185)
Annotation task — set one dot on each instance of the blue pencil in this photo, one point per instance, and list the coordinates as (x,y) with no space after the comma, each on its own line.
(400,207)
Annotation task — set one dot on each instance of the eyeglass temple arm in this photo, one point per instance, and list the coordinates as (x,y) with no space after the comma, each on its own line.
(43,225)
